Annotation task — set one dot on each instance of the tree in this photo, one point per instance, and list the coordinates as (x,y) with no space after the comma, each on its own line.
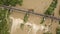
(4,14)
(50,10)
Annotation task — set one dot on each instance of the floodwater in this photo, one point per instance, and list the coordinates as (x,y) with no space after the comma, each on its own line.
(39,6)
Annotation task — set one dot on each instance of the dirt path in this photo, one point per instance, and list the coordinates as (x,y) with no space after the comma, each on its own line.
(39,6)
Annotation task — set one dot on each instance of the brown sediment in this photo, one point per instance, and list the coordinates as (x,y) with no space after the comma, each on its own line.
(39,6)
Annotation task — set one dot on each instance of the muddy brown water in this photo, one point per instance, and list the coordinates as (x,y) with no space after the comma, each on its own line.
(39,6)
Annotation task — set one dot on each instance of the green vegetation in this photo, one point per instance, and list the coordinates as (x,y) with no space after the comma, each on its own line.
(25,20)
(58,31)
(50,9)
(11,2)
(59,22)
(4,14)
(4,21)
(26,17)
